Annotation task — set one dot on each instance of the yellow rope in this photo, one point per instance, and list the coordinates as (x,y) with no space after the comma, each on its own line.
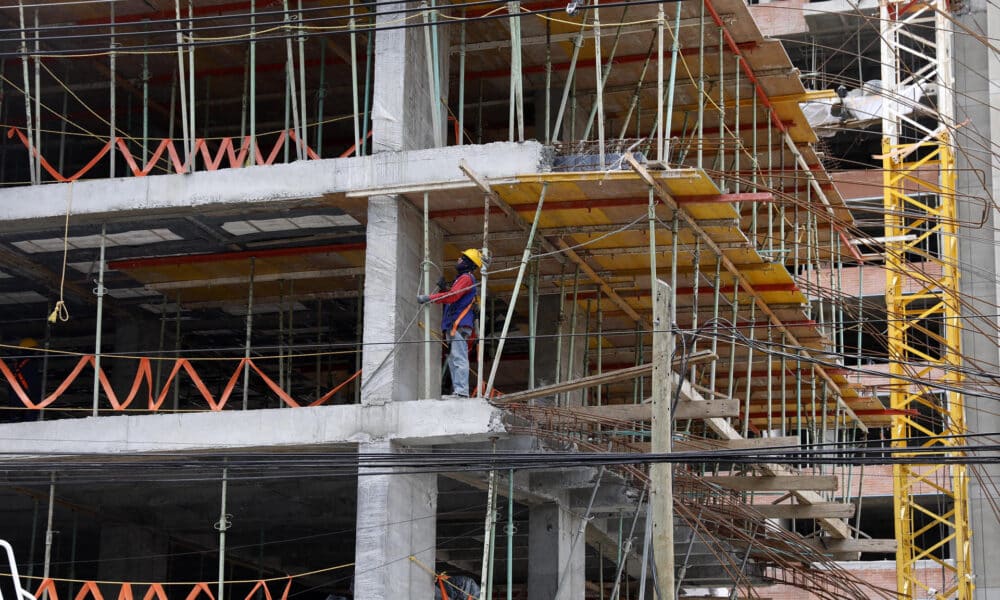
(60,312)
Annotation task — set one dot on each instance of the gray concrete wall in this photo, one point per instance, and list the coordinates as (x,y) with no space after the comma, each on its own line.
(392,358)
(977,73)
(557,567)
(403,97)
(396,520)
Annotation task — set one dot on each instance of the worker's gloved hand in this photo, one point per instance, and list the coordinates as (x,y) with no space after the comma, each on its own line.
(441,284)
(423,298)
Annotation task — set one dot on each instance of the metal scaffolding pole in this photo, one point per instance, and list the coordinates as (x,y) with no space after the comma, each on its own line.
(517,288)
(99,292)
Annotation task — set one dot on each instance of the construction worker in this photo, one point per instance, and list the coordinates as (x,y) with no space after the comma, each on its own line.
(457,319)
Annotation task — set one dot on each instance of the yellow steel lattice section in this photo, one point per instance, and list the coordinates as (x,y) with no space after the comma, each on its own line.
(925,347)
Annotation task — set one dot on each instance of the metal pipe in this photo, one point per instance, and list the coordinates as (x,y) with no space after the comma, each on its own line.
(177,351)
(222,526)
(577,44)
(674,51)
(368,78)
(47,564)
(359,326)
(701,86)
(510,536)
(27,91)
(354,85)
(606,73)
(292,87)
(623,554)
(660,24)
(487,533)
(182,82)
(253,82)
(532,320)
(560,322)
(303,117)
(572,333)
(99,292)
(647,542)
(428,347)
(481,344)
(600,89)
(548,80)
(321,97)
(145,108)
(246,347)
(38,91)
(319,346)
(517,76)
(461,83)
(431,60)
(192,108)
(517,288)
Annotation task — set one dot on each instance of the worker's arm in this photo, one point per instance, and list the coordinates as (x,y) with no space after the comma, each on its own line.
(458,289)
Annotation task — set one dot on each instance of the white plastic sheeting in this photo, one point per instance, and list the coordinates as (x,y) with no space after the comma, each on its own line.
(860,108)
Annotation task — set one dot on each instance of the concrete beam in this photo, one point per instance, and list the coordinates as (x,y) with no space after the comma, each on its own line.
(180,194)
(412,423)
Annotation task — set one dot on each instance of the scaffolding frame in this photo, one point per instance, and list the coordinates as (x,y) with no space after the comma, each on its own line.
(919,213)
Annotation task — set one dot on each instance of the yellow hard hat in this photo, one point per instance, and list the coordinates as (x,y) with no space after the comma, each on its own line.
(475,256)
(28,343)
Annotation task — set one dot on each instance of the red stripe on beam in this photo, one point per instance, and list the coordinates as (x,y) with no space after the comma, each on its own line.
(605,203)
(161,261)
(584,63)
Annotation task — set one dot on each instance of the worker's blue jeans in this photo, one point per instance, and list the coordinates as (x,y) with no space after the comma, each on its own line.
(458,361)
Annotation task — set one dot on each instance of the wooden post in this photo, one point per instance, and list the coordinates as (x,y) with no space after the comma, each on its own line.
(661,474)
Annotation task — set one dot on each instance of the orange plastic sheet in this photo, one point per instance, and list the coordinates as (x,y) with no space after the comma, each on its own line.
(154,400)
(91,590)
(226,150)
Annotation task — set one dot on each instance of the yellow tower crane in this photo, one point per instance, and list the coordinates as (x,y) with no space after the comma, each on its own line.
(922,297)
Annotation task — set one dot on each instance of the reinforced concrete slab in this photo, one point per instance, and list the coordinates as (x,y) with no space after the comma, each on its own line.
(415,423)
(284,182)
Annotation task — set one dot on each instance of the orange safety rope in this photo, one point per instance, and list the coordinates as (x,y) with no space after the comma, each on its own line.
(154,400)
(226,150)
(91,590)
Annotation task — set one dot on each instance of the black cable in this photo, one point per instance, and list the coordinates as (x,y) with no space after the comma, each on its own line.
(305,35)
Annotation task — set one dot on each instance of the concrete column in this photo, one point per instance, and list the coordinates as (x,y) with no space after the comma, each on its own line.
(125,552)
(977,73)
(403,92)
(546,345)
(550,534)
(395,520)
(392,358)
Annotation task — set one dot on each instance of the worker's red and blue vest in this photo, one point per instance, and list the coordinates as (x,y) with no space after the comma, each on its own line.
(453,310)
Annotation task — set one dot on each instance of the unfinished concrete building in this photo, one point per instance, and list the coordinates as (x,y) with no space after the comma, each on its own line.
(699,327)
